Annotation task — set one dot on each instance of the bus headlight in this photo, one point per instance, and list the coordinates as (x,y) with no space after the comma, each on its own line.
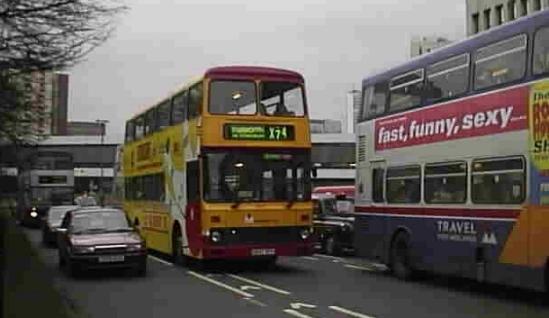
(33,212)
(304,233)
(215,236)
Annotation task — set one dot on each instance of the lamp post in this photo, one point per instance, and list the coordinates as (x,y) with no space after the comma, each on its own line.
(102,123)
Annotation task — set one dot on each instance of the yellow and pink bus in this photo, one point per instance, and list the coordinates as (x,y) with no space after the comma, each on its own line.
(220,169)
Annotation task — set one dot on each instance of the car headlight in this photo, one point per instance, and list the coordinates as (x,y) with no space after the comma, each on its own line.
(83,249)
(347,227)
(304,234)
(33,212)
(215,236)
(136,247)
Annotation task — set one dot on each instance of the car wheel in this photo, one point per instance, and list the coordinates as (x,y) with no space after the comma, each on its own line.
(71,269)
(142,270)
(331,247)
(60,260)
(177,248)
(400,257)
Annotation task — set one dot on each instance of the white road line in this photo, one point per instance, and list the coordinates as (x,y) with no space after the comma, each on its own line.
(370,269)
(220,284)
(160,260)
(264,286)
(330,257)
(296,313)
(349,312)
(310,258)
(256,302)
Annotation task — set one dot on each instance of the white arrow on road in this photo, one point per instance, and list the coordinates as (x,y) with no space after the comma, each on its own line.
(246,287)
(301,305)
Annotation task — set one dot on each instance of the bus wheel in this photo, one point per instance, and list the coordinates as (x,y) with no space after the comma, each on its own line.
(400,256)
(331,247)
(177,247)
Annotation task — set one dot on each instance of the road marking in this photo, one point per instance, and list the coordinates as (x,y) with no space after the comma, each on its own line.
(160,260)
(255,302)
(296,313)
(299,305)
(310,258)
(264,286)
(349,312)
(246,287)
(330,257)
(370,269)
(220,284)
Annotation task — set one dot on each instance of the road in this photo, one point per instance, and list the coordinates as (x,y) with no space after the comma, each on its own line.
(316,286)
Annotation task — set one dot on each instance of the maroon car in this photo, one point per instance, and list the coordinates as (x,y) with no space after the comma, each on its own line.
(99,238)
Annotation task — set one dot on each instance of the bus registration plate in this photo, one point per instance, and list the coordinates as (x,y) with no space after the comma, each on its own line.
(111,258)
(263,251)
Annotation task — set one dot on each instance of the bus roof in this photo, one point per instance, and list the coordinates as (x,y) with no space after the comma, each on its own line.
(335,190)
(254,72)
(521,25)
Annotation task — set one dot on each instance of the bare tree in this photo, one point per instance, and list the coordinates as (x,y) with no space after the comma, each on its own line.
(39,35)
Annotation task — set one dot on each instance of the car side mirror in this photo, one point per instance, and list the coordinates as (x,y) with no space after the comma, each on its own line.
(314,172)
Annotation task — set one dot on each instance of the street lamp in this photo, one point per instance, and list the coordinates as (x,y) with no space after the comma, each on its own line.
(102,123)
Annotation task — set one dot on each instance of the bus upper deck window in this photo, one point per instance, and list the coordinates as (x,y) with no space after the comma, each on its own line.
(282,99)
(541,51)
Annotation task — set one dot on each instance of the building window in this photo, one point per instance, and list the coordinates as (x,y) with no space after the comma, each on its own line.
(523,7)
(448,78)
(498,181)
(499,15)
(377,184)
(536,5)
(406,90)
(374,99)
(511,10)
(404,184)
(541,51)
(500,63)
(446,183)
(476,27)
(487,19)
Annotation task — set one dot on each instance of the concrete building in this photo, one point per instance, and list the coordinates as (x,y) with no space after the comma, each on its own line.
(325,126)
(485,14)
(426,44)
(333,156)
(83,128)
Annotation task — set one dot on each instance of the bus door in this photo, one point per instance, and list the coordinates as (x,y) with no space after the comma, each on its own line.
(371,231)
(192,209)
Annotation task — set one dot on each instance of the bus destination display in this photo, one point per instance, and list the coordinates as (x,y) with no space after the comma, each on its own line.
(259,132)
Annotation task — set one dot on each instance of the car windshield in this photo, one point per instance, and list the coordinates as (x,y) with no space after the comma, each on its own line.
(57,213)
(256,176)
(99,221)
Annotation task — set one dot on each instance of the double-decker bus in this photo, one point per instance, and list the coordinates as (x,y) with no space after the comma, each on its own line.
(220,169)
(453,159)
(45,178)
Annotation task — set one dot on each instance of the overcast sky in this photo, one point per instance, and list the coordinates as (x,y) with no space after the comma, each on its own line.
(159,45)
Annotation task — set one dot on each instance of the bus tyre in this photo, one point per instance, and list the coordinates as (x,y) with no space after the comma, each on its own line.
(400,256)
(177,247)
(331,247)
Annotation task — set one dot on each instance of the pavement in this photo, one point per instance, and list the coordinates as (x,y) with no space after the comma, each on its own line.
(315,286)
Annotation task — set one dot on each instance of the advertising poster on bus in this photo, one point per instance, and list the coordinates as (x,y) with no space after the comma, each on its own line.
(538,113)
